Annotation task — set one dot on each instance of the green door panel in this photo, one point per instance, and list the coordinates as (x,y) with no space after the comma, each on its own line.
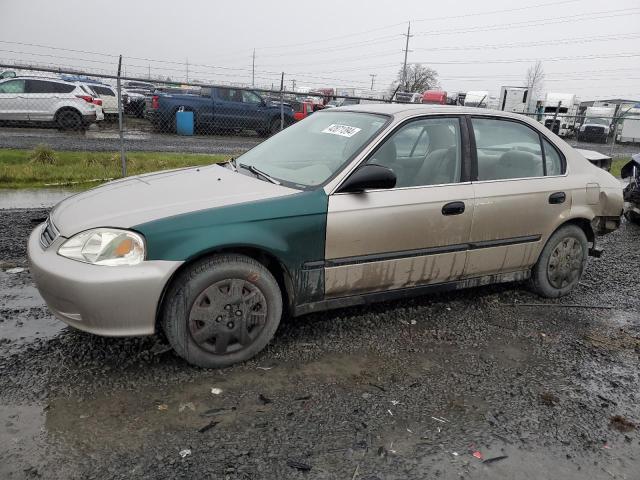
(290,228)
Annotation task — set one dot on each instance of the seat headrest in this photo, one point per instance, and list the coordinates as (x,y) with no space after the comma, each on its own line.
(440,136)
(387,154)
(516,163)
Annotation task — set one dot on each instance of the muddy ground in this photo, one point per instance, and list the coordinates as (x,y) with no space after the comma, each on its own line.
(401,390)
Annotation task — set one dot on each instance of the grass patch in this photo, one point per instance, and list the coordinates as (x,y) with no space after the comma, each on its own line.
(42,167)
(617,164)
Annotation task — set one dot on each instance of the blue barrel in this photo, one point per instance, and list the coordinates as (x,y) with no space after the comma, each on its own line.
(184,123)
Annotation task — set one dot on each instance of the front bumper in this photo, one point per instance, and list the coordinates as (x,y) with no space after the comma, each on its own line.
(109,301)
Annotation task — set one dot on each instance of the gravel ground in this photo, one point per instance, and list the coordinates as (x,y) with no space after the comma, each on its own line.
(140,137)
(400,390)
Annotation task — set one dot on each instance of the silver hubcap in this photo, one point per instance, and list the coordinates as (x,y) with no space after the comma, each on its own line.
(228,316)
(565,263)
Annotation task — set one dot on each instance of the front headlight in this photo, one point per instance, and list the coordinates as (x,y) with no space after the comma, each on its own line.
(105,246)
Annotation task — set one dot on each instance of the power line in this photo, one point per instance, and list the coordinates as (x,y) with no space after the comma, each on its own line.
(535,23)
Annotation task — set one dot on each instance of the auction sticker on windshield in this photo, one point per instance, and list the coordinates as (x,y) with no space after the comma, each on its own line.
(342,130)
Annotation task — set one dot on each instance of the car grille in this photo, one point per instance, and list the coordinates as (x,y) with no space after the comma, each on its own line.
(594,130)
(49,234)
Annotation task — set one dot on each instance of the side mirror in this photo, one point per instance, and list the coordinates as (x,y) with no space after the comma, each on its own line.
(369,177)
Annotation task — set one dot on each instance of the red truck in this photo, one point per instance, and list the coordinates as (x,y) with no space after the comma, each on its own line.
(302,109)
(434,97)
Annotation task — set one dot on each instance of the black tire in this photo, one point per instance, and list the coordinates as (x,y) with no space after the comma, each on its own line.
(274,126)
(561,263)
(69,120)
(194,305)
(632,217)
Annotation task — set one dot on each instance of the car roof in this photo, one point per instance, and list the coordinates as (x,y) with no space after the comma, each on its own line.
(37,77)
(411,109)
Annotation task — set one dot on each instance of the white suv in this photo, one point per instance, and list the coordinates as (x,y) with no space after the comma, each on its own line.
(109,98)
(70,105)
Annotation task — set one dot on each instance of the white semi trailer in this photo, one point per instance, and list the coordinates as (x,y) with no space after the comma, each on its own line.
(513,99)
(628,130)
(559,114)
(478,99)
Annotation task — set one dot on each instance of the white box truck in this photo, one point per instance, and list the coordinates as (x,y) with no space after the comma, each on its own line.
(565,114)
(629,126)
(513,99)
(478,99)
(597,124)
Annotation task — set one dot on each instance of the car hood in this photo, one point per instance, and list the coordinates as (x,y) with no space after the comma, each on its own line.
(144,198)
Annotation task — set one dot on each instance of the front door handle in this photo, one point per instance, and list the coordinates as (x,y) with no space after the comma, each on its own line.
(558,197)
(453,208)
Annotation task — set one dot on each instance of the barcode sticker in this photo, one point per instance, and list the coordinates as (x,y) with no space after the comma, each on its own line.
(342,130)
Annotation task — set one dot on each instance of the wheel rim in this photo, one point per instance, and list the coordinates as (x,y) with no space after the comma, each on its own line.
(228,316)
(565,263)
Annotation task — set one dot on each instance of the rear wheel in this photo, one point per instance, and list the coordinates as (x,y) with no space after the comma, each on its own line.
(222,310)
(561,262)
(69,120)
(274,127)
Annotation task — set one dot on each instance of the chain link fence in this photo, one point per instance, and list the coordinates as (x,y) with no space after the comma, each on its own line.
(89,112)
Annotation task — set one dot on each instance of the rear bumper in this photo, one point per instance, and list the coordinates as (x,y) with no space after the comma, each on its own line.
(109,301)
(91,117)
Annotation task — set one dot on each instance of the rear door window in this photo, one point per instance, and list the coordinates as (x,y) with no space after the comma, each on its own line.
(103,91)
(45,86)
(506,149)
(554,161)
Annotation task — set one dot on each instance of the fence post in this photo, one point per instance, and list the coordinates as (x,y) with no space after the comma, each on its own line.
(282,102)
(555,115)
(123,158)
(615,133)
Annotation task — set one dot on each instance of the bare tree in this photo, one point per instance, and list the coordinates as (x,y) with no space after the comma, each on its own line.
(419,78)
(534,79)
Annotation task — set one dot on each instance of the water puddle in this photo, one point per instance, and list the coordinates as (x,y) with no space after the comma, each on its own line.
(32,198)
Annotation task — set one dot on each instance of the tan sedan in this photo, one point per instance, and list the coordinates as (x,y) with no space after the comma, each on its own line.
(348,206)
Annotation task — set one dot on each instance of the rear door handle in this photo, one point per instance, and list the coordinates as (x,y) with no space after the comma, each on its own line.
(453,208)
(558,197)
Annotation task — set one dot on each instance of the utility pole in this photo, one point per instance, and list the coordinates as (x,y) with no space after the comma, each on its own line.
(293,84)
(373,77)
(406,51)
(187,69)
(253,69)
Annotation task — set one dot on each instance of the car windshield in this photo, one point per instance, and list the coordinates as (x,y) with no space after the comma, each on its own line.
(597,121)
(313,150)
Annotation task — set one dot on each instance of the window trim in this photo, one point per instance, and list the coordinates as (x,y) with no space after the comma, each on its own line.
(541,136)
(464,170)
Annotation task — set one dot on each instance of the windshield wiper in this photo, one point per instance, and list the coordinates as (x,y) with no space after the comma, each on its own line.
(259,172)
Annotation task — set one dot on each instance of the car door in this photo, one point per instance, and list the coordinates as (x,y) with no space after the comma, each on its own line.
(520,195)
(229,109)
(42,98)
(410,235)
(254,108)
(13,105)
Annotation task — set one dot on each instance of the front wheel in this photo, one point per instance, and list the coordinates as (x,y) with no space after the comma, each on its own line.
(561,262)
(222,310)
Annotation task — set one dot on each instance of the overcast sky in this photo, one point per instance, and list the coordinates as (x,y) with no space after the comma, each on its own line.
(472,45)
